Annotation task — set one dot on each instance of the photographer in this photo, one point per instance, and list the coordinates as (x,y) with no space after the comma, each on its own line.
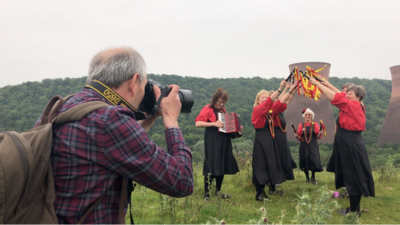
(91,157)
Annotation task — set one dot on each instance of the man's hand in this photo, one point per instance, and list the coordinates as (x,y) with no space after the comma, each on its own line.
(297,137)
(148,123)
(170,106)
(218,124)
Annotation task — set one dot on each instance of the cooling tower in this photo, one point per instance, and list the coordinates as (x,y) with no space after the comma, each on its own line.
(390,132)
(322,109)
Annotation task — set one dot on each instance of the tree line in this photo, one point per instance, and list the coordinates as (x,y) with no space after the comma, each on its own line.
(21,105)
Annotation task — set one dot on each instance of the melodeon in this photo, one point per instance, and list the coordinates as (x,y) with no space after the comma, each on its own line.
(231,124)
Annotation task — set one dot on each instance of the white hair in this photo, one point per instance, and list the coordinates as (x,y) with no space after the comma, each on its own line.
(117,68)
(310,111)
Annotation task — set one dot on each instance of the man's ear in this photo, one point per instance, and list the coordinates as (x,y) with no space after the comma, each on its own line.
(136,78)
(132,83)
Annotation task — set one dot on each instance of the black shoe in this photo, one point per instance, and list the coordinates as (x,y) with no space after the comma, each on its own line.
(207,197)
(259,198)
(264,195)
(307,181)
(347,211)
(225,196)
(276,192)
(344,212)
(313,181)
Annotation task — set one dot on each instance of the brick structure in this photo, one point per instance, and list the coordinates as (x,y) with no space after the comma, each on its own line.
(390,132)
(322,108)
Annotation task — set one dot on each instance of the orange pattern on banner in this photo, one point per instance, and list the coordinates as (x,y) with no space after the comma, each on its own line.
(310,90)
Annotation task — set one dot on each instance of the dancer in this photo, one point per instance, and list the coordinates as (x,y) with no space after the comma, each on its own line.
(219,159)
(309,148)
(349,160)
(267,167)
(280,128)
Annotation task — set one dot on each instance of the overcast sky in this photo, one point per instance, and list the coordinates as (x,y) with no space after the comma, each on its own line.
(207,38)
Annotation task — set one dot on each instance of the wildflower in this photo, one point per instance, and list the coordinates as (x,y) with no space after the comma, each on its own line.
(222,222)
(242,160)
(262,209)
(336,194)
(265,220)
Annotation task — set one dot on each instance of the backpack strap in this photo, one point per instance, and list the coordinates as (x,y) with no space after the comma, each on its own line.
(52,108)
(78,112)
(54,105)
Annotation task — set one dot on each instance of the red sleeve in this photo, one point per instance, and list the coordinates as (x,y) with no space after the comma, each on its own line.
(277,108)
(340,101)
(284,107)
(300,129)
(263,108)
(351,115)
(259,113)
(206,115)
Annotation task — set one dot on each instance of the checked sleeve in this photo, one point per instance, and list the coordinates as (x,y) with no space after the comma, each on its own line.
(129,151)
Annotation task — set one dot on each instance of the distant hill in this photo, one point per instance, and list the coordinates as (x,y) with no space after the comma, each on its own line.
(21,105)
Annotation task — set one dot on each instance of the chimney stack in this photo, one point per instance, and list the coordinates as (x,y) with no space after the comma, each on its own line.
(390,132)
(322,108)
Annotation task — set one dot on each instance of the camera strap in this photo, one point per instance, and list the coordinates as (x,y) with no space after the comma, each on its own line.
(114,98)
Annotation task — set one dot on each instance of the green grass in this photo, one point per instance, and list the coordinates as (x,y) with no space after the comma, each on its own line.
(150,207)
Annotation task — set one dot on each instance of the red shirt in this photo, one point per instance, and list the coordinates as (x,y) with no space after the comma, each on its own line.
(207,114)
(300,128)
(258,117)
(351,115)
(281,109)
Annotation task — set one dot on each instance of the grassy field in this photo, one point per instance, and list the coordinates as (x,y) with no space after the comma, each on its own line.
(150,207)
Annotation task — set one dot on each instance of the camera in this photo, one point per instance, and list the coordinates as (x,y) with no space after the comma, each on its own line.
(150,104)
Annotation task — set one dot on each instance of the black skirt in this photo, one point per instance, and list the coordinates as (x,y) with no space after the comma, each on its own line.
(267,167)
(350,163)
(285,156)
(309,154)
(219,159)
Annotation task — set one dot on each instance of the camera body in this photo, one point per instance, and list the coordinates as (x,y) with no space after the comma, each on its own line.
(150,104)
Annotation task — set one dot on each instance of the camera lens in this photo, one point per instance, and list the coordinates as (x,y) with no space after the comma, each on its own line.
(149,99)
(187,100)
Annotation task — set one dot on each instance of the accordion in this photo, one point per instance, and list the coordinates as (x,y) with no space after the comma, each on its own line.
(231,124)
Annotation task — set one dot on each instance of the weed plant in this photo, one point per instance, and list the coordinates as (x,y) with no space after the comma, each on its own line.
(318,212)
(389,172)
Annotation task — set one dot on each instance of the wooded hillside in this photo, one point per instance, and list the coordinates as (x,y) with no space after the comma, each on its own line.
(21,105)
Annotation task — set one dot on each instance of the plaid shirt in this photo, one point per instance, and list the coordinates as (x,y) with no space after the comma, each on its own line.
(91,156)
